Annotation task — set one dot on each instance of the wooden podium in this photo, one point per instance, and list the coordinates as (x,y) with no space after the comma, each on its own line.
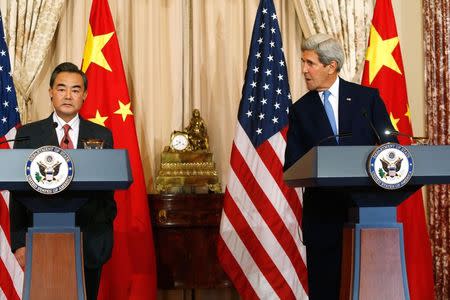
(373,262)
(54,261)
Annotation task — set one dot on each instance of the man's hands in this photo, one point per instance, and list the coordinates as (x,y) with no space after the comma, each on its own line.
(20,256)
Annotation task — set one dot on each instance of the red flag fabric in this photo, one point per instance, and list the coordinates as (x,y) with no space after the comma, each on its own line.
(11,274)
(260,244)
(384,70)
(131,271)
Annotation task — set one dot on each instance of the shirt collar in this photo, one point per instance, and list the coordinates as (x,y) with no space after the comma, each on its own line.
(334,89)
(72,123)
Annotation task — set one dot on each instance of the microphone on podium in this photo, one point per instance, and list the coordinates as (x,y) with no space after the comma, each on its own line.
(340,136)
(422,140)
(19,139)
(374,130)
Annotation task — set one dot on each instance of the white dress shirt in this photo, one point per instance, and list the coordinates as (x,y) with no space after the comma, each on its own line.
(73,132)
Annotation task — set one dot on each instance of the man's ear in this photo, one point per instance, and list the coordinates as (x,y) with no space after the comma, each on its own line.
(50,94)
(333,67)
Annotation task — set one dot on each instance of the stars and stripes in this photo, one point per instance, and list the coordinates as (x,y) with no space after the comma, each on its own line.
(9,110)
(260,244)
(256,116)
(11,274)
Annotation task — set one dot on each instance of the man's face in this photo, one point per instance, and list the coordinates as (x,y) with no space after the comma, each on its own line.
(67,95)
(317,76)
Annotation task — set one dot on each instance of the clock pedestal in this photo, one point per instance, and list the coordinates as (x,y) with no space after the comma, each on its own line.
(187,172)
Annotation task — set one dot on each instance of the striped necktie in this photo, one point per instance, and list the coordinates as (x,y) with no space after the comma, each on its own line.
(66,142)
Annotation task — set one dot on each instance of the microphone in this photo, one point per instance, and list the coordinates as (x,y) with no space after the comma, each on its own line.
(55,124)
(417,139)
(364,113)
(19,139)
(342,135)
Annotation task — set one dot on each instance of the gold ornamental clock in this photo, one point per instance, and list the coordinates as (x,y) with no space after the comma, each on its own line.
(179,141)
(187,165)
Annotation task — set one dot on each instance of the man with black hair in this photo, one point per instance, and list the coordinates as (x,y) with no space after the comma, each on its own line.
(66,129)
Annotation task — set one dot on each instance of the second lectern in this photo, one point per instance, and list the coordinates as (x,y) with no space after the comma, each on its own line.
(373,262)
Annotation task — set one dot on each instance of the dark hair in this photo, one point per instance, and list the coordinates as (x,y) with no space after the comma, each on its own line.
(68,67)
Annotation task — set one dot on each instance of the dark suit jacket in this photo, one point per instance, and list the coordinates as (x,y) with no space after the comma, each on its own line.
(309,125)
(95,217)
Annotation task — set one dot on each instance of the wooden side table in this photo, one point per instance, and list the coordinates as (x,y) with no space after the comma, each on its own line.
(185,231)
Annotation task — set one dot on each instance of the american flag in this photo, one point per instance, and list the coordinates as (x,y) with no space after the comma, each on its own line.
(11,274)
(260,243)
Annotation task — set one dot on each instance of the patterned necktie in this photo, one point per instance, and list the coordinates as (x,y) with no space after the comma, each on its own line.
(329,111)
(66,142)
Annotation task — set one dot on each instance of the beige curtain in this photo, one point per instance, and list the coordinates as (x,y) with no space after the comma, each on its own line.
(437,89)
(29,29)
(347,20)
(220,41)
(162,40)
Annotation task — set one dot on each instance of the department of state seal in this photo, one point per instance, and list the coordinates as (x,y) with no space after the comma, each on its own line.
(390,166)
(49,170)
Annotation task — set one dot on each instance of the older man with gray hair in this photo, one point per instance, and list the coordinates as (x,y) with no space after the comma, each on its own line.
(334,112)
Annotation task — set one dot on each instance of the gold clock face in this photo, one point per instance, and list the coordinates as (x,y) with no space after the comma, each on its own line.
(179,141)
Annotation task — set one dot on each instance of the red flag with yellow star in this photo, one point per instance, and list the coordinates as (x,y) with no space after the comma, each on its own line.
(131,271)
(384,70)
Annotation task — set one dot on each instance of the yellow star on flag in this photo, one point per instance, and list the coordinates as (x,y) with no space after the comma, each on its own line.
(124,110)
(99,119)
(394,121)
(408,113)
(93,50)
(379,54)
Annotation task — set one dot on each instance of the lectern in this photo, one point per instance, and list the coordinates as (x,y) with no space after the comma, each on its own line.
(373,262)
(54,262)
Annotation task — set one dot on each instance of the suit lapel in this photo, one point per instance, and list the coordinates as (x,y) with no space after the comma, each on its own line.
(82,134)
(48,133)
(346,108)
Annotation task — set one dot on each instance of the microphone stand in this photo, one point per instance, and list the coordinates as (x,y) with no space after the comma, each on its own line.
(342,135)
(19,139)
(420,140)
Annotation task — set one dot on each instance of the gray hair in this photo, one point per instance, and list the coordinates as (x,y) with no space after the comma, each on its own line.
(327,48)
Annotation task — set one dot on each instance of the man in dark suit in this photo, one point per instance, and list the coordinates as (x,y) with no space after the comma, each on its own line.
(68,90)
(332,107)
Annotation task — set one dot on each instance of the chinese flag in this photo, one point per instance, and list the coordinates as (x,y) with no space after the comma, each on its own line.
(131,271)
(384,70)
